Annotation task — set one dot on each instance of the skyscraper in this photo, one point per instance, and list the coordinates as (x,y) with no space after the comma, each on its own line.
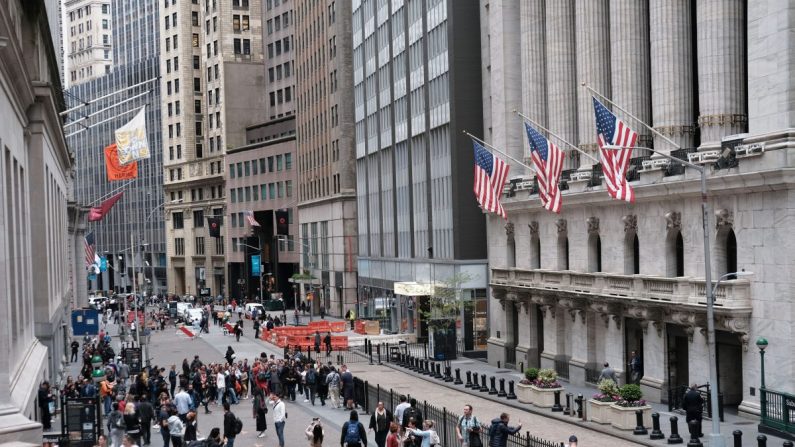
(87,40)
(416,87)
(324,122)
(213,83)
(139,212)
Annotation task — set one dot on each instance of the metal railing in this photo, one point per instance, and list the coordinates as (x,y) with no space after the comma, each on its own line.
(562,368)
(592,375)
(676,396)
(367,397)
(778,410)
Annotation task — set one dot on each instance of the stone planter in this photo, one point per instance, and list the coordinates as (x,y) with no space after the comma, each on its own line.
(623,418)
(599,412)
(524,393)
(545,397)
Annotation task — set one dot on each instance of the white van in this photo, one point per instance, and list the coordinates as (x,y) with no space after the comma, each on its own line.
(182,309)
(250,309)
(193,316)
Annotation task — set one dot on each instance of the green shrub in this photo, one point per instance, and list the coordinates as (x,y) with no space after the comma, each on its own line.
(630,392)
(531,374)
(608,387)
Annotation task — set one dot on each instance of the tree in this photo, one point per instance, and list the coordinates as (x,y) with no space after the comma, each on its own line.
(445,304)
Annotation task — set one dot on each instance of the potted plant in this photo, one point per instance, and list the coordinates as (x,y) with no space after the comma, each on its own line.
(599,405)
(543,388)
(623,410)
(523,388)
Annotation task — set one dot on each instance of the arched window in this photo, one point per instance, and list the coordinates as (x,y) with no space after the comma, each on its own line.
(731,254)
(631,254)
(510,253)
(594,253)
(675,254)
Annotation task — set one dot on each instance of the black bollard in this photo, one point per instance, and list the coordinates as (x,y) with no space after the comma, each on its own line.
(378,351)
(693,428)
(674,438)
(567,411)
(639,428)
(511,394)
(426,367)
(761,441)
(484,388)
(438,374)
(580,413)
(502,392)
(448,376)
(475,385)
(738,438)
(557,408)
(656,433)
(493,389)
(457,380)
(788,444)
(469,379)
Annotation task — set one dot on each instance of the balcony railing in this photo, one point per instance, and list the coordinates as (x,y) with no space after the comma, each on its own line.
(683,290)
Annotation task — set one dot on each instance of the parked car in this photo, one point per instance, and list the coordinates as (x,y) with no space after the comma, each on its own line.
(193,316)
(250,309)
(182,309)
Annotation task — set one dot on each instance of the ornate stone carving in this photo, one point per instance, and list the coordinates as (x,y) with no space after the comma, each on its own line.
(525,307)
(562,226)
(744,341)
(509,230)
(733,323)
(606,319)
(659,325)
(617,319)
(573,314)
(545,309)
(673,220)
(630,223)
(690,330)
(723,218)
(533,226)
(644,324)
(593,225)
(498,293)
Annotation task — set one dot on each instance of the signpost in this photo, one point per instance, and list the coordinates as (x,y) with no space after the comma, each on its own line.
(132,357)
(85,322)
(81,422)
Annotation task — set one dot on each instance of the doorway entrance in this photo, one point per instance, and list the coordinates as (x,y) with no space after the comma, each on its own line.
(678,364)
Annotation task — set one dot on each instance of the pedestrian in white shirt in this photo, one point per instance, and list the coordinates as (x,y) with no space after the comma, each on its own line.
(279,417)
(220,383)
(401,408)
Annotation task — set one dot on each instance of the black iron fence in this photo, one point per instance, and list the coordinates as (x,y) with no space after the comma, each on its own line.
(592,375)
(562,368)
(367,396)
(351,354)
(676,395)
(778,410)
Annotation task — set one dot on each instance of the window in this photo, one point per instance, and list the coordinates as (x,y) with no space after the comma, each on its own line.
(198,131)
(199,150)
(195,62)
(278,162)
(247,168)
(171,152)
(200,245)
(289,188)
(245,24)
(176,219)
(288,162)
(197,86)
(194,17)
(231,171)
(270,75)
(179,151)
(104,23)
(285,20)
(233,196)
(236,44)
(594,253)
(535,251)
(563,251)
(246,46)
(179,246)
(197,106)
(195,40)
(236,23)
(106,40)
(176,108)
(176,85)
(168,66)
(168,43)
(253,167)
(198,219)
(105,9)
(239,169)
(281,189)
(219,244)
(675,254)
(272,189)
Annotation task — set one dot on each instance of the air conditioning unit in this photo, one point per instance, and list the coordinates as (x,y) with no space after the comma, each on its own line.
(749,150)
(580,176)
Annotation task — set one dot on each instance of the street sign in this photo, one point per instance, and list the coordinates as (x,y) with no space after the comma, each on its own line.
(85,322)
(255,265)
(81,422)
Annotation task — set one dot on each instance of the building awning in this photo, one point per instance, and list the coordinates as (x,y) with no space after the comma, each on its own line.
(411,288)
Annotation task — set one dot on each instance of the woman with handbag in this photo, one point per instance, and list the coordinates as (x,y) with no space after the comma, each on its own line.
(259,410)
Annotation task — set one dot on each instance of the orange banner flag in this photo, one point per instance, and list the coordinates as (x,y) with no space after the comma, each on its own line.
(114,169)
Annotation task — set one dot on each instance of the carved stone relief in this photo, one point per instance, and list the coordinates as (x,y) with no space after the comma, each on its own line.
(593,225)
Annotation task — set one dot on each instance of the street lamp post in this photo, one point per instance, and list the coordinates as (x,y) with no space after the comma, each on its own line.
(260,268)
(761,343)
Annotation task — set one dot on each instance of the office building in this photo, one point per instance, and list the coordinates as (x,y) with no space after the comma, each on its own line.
(417,87)
(87,40)
(212,75)
(325,157)
(605,278)
(40,267)
(114,99)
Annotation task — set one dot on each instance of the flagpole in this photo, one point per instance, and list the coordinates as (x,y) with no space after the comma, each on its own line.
(85,117)
(497,150)
(103,122)
(112,192)
(558,137)
(715,438)
(122,90)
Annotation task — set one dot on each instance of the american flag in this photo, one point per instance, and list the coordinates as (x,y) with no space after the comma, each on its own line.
(250,218)
(548,161)
(616,141)
(490,175)
(92,259)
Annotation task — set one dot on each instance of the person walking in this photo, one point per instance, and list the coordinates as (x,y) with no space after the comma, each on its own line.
(230,426)
(322,312)
(230,355)
(353,433)
(310,383)
(412,412)
(572,441)
(693,404)
(317,342)
(346,380)
(45,397)
(333,382)
(146,413)
(608,373)
(176,428)
(327,342)
(172,379)
(256,328)
(315,433)
(635,368)
(468,429)
(500,430)
(279,417)
(393,439)
(400,408)
(75,346)
(191,428)
(132,422)
(238,330)
(183,403)
(352,317)
(380,421)
(116,426)
(259,410)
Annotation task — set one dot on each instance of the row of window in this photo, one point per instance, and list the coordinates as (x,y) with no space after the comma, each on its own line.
(320,187)
(318,157)
(279,47)
(280,71)
(274,163)
(286,243)
(88,42)
(278,22)
(86,72)
(276,190)
(198,246)
(78,14)
(281,96)
(216,192)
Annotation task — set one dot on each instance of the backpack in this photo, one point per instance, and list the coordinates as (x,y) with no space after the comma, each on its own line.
(411,412)
(352,433)
(116,421)
(311,376)
(435,441)
(238,425)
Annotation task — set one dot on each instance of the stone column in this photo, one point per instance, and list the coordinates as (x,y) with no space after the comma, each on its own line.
(653,360)
(527,340)
(533,49)
(550,315)
(561,71)
(698,356)
(614,348)
(498,319)
(593,68)
(629,51)
(671,40)
(579,346)
(721,70)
